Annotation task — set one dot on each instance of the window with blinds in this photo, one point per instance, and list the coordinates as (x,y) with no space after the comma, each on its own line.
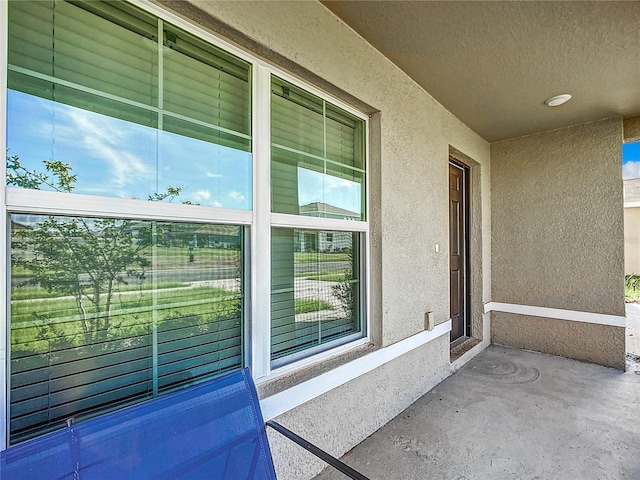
(315,290)
(107,312)
(106,99)
(317,170)
(317,155)
(120,92)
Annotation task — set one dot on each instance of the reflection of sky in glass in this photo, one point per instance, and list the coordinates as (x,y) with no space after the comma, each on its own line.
(631,160)
(321,187)
(117,158)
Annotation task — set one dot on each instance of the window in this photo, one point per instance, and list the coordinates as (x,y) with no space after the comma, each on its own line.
(91,85)
(317,170)
(105,312)
(135,145)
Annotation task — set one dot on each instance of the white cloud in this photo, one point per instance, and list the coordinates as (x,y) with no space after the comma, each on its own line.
(201,195)
(213,175)
(630,170)
(237,196)
(216,204)
(106,138)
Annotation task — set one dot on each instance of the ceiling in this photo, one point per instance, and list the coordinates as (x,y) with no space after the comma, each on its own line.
(492,64)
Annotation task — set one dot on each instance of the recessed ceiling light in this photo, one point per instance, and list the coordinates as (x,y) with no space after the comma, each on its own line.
(557,100)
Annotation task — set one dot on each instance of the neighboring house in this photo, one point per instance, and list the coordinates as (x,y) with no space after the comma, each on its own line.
(486,217)
(632,226)
(325,241)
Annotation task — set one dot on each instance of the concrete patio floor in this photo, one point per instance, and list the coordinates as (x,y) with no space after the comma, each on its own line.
(512,414)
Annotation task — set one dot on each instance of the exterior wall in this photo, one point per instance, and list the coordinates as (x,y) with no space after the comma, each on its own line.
(557,238)
(602,344)
(409,147)
(632,240)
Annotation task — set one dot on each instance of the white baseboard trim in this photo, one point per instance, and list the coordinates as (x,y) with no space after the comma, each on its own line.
(557,313)
(293,397)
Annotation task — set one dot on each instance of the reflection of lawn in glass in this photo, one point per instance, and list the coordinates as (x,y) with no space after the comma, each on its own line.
(311,257)
(330,276)
(131,314)
(167,257)
(307,305)
(34,293)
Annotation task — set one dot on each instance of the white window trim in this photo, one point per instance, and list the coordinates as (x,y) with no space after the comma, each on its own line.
(260,219)
(4,283)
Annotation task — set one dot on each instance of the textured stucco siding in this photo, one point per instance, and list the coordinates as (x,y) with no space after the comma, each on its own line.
(582,341)
(557,219)
(411,135)
(558,235)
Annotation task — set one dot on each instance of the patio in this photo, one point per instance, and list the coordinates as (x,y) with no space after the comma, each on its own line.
(512,414)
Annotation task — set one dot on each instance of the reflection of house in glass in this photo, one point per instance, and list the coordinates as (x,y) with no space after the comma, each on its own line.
(322,241)
(217,236)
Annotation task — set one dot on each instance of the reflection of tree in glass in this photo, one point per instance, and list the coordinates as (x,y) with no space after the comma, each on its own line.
(78,257)
(344,290)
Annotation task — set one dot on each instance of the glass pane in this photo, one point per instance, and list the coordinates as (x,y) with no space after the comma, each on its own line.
(106,130)
(217,91)
(316,289)
(207,174)
(317,156)
(108,156)
(296,118)
(105,46)
(307,186)
(108,312)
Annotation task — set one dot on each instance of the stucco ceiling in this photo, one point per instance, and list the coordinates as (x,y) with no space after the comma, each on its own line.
(492,64)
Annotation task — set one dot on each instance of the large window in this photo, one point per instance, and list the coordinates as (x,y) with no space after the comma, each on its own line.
(108,311)
(317,170)
(144,189)
(101,87)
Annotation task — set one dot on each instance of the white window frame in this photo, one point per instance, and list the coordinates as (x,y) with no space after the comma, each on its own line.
(259,220)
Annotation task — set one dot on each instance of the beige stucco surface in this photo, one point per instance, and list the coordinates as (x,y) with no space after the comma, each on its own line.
(557,219)
(582,341)
(411,136)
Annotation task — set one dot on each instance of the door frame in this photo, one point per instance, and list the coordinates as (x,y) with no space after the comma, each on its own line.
(466,212)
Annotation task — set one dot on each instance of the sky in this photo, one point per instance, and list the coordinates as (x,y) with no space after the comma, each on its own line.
(117,158)
(631,160)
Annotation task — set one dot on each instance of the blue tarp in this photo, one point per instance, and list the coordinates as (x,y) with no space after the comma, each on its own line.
(213,430)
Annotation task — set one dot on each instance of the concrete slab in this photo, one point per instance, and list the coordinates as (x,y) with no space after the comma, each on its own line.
(512,414)
(633,328)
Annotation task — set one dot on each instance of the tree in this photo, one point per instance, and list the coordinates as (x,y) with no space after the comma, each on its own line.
(79,257)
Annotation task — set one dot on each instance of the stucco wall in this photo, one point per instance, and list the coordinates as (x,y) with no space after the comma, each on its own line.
(411,134)
(602,344)
(558,232)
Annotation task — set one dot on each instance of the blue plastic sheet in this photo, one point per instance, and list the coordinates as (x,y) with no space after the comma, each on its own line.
(213,430)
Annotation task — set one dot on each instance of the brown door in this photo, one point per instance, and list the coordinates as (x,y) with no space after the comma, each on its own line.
(458,254)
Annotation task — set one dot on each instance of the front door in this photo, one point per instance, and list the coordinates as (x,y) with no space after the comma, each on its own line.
(458,251)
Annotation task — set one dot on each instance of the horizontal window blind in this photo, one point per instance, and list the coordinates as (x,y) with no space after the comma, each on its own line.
(114,59)
(110,50)
(108,312)
(315,289)
(309,132)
